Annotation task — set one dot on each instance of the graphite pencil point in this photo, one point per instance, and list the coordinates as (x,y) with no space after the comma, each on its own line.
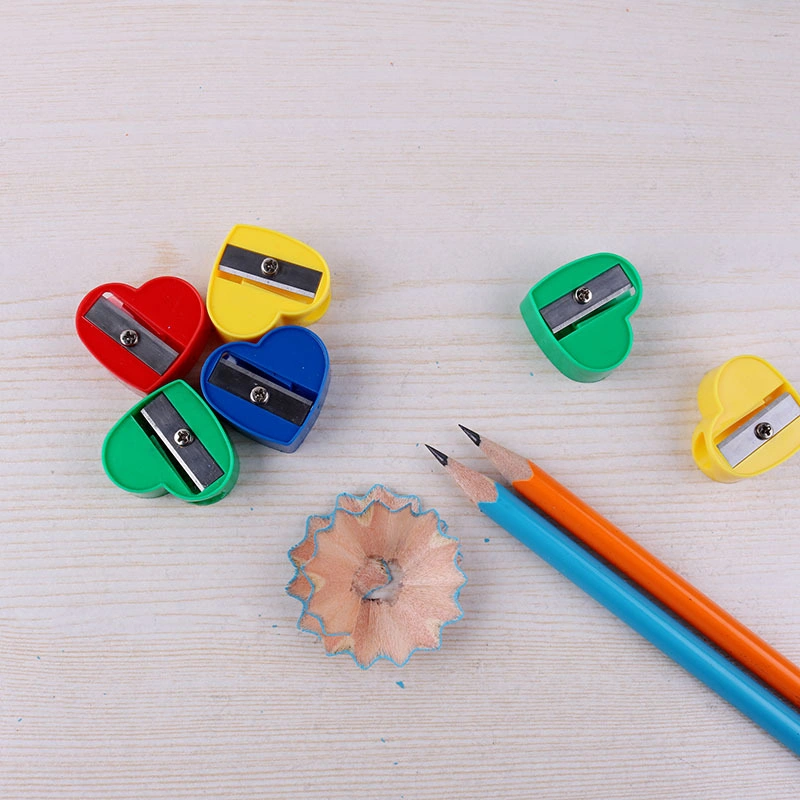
(438,455)
(475,438)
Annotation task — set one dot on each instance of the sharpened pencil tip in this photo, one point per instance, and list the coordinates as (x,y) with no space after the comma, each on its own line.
(438,455)
(475,438)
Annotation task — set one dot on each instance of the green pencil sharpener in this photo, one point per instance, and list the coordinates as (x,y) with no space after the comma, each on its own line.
(171,442)
(580,315)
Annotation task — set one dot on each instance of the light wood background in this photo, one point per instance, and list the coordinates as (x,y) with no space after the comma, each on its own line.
(443,157)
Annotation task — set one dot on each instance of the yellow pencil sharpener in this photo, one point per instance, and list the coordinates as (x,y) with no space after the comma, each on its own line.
(263,279)
(751,420)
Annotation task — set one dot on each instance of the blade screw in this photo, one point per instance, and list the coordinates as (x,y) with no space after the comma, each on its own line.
(129,337)
(182,437)
(269,267)
(583,295)
(763,430)
(258,394)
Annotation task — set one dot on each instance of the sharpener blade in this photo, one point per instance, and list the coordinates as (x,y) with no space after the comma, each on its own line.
(242,381)
(193,459)
(745,440)
(148,348)
(285,275)
(601,290)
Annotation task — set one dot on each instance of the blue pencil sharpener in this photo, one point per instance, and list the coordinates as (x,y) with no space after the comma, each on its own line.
(271,390)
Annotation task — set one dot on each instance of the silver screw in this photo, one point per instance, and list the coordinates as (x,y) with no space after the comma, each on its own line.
(763,430)
(129,337)
(583,295)
(269,267)
(258,394)
(182,437)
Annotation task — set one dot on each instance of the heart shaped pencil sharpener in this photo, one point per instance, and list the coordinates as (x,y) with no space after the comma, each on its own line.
(272,390)
(750,420)
(263,279)
(171,442)
(148,336)
(580,315)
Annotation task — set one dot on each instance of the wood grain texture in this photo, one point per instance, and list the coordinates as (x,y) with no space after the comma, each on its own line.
(443,157)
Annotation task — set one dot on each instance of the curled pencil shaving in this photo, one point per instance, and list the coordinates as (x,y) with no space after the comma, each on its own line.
(378,577)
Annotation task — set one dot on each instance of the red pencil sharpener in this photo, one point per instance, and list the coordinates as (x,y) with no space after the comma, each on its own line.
(148,336)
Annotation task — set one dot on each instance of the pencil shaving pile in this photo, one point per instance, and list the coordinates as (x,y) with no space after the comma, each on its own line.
(378,577)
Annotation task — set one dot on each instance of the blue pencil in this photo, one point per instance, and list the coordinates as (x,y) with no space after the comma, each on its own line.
(633,607)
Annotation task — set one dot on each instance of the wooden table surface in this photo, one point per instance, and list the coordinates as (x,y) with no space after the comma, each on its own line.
(443,157)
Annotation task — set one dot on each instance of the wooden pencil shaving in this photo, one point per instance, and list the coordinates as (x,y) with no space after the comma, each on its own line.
(378,577)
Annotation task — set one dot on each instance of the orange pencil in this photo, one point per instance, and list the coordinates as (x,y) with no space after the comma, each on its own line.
(644,569)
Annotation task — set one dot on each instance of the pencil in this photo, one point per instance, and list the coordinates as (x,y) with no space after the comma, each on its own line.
(627,602)
(676,593)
